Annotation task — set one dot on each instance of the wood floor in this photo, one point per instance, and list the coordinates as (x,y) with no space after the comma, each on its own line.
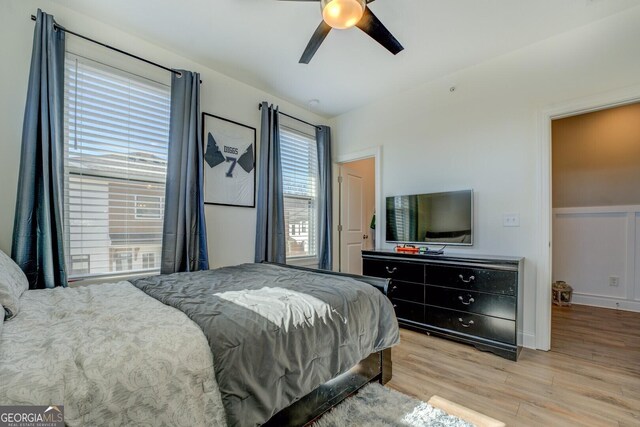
(591,376)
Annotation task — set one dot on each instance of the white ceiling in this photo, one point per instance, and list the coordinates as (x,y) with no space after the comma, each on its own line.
(260,41)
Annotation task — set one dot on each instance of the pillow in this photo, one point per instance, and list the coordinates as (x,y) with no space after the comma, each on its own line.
(13,283)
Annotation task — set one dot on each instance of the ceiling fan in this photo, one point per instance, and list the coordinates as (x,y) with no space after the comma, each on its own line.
(343,14)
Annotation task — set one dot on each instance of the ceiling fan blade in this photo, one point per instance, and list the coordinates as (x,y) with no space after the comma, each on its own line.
(368,1)
(371,25)
(316,40)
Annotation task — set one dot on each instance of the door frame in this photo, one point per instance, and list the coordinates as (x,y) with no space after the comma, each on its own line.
(376,153)
(603,101)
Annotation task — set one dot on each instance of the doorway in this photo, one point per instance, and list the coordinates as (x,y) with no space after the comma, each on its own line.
(595,159)
(357,208)
(614,98)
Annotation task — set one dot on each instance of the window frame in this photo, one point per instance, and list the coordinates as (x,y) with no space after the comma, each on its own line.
(307,260)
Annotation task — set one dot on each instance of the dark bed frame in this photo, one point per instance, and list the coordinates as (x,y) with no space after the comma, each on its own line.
(377,367)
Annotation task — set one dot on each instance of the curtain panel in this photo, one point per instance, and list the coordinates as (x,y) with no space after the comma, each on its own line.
(325,198)
(184,236)
(38,235)
(270,233)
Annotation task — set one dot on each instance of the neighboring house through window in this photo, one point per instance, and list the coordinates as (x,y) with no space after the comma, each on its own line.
(116,138)
(149,261)
(299,158)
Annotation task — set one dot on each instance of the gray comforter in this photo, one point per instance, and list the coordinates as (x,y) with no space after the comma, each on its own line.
(277,333)
(112,356)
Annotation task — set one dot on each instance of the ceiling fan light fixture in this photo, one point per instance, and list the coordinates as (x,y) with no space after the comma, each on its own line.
(342,14)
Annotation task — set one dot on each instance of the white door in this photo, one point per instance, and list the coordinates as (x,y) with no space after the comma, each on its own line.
(355,229)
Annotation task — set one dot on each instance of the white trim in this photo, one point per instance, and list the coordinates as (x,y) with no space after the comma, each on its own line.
(632,255)
(543,277)
(527,339)
(615,98)
(359,155)
(376,153)
(605,302)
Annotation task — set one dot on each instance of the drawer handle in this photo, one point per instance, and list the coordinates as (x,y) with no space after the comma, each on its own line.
(471,279)
(391,270)
(471,300)
(393,288)
(395,305)
(465,325)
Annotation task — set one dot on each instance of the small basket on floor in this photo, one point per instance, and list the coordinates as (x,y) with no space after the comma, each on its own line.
(562,293)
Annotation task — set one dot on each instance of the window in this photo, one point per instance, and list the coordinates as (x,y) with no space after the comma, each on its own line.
(116,138)
(80,265)
(299,180)
(122,260)
(149,261)
(149,207)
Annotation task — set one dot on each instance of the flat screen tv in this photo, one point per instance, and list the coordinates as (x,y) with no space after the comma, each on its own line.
(435,218)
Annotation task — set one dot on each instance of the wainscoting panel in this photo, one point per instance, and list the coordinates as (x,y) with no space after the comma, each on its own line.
(593,246)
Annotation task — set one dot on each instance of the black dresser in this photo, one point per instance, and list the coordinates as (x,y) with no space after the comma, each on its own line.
(473,299)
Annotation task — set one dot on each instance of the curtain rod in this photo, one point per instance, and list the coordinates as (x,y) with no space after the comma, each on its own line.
(294,118)
(155,64)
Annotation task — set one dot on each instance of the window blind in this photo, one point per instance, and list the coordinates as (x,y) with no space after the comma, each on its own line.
(299,159)
(116,128)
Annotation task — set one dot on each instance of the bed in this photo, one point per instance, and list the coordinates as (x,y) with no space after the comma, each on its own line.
(239,346)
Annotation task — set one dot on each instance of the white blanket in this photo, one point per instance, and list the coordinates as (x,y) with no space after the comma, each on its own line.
(112,356)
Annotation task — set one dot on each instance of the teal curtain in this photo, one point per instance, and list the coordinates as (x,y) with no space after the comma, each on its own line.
(184,234)
(325,196)
(270,237)
(38,237)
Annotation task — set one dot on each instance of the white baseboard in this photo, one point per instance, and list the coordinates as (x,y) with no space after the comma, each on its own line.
(606,302)
(527,339)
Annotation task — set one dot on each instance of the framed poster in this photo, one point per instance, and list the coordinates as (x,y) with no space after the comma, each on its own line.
(229,162)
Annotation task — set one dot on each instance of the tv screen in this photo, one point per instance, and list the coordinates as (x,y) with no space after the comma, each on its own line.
(435,218)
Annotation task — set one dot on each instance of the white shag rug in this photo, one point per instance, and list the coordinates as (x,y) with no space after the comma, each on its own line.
(378,406)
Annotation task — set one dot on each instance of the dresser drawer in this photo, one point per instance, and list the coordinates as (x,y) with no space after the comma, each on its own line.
(407,291)
(476,279)
(496,305)
(491,328)
(408,311)
(405,271)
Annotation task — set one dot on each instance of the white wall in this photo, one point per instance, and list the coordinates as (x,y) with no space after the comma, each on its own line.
(231,231)
(592,244)
(484,134)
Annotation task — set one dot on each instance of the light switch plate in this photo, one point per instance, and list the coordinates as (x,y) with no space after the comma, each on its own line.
(511,220)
